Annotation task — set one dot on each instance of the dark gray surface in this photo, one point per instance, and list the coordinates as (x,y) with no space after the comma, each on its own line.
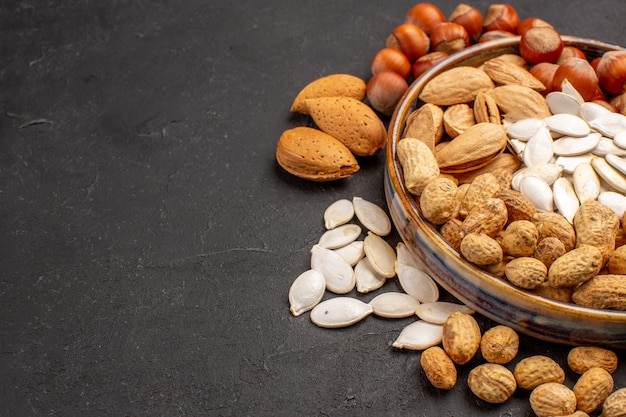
(148,236)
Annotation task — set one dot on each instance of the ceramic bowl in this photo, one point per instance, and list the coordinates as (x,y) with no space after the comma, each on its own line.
(487,294)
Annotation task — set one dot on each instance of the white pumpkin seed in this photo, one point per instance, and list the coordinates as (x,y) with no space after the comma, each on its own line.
(340,236)
(569,163)
(609,174)
(371,216)
(539,192)
(517,146)
(567,124)
(608,146)
(614,201)
(572,146)
(565,198)
(547,172)
(340,312)
(568,88)
(524,129)
(609,124)
(419,335)
(394,305)
(586,182)
(417,283)
(562,103)
(538,149)
(590,110)
(351,253)
(338,213)
(366,278)
(338,274)
(617,162)
(439,311)
(381,255)
(306,291)
(405,257)
(620,139)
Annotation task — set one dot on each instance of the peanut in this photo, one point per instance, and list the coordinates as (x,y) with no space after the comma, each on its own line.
(499,344)
(592,388)
(419,165)
(535,370)
(615,404)
(552,399)
(582,358)
(439,368)
(491,382)
(461,337)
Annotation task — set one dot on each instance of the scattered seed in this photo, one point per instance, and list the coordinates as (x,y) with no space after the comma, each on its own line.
(340,312)
(538,149)
(340,236)
(394,305)
(381,255)
(539,192)
(417,283)
(306,291)
(371,216)
(437,312)
(338,213)
(338,274)
(609,174)
(614,201)
(572,146)
(567,124)
(351,253)
(565,198)
(367,279)
(419,335)
(586,182)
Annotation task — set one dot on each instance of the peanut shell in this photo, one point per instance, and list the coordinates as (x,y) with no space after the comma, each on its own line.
(439,368)
(592,388)
(582,358)
(575,267)
(552,399)
(533,371)
(491,382)
(418,162)
(461,337)
(602,291)
(499,344)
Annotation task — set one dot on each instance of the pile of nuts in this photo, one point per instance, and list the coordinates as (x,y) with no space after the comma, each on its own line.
(495,382)
(486,190)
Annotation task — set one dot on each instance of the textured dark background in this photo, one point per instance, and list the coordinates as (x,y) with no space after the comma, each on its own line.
(149,239)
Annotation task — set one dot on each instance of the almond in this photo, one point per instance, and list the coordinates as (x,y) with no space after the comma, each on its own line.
(455,86)
(520,102)
(350,121)
(426,124)
(504,72)
(334,85)
(474,148)
(314,155)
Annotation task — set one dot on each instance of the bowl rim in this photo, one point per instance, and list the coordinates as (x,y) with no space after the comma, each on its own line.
(540,305)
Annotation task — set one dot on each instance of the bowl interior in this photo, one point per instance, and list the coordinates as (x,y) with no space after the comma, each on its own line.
(491,296)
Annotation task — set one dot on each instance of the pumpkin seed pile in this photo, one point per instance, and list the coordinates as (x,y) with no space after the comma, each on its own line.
(341,262)
(575,155)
